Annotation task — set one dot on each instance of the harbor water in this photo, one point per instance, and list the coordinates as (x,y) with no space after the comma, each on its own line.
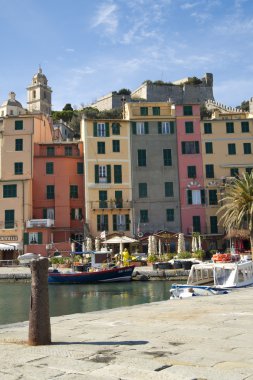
(70,299)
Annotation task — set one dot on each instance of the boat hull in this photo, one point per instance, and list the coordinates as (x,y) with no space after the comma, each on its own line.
(108,275)
(186,291)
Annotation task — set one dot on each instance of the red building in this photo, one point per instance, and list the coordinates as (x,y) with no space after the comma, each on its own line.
(58,198)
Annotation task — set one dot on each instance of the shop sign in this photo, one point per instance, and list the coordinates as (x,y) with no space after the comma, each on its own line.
(8,238)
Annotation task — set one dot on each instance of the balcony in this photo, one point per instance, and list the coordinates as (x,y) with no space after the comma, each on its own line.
(111,205)
(34,223)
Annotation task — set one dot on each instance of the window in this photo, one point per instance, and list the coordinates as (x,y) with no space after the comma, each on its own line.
(170,215)
(120,222)
(231,149)
(49,168)
(143,216)
(116,146)
(68,151)
(196,197)
(248,170)
(141,157)
(73,191)
(208,128)
(144,111)
(234,172)
(9,191)
(191,171)
(50,191)
(18,125)
(247,148)
(118,199)
(101,129)
(190,147)
(213,225)
(115,128)
(187,110)
(34,94)
(167,160)
(196,224)
(143,190)
(102,222)
(117,174)
(245,126)
(18,168)
(188,127)
(209,171)
(166,127)
(230,127)
(168,189)
(79,168)
(9,221)
(50,151)
(76,214)
(140,128)
(33,238)
(156,111)
(101,147)
(213,200)
(48,213)
(102,199)
(18,145)
(209,147)
(102,173)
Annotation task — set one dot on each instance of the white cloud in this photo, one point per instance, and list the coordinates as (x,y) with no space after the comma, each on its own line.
(107,16)
(189,5)
(69,50)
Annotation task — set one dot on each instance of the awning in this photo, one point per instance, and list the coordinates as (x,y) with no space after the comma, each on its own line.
(9,247)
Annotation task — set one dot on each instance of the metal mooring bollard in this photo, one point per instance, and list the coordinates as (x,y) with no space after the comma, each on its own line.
(39,319)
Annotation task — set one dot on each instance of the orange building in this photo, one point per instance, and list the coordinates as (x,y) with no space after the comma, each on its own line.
(58,198)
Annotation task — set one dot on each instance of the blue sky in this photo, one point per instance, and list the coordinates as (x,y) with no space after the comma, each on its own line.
(90,48)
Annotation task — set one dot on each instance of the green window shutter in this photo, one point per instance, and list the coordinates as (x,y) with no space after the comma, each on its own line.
(159,127)
(214,224)
(107,129)
(196,146)
(44,213)
(18,125)
(96,174)
(172,127)
(95,130)
(117,174)
(203,197)
(114,222)
(98,223)
(72,214)
(118,199)
(108,168)
(146,127)
(26,238)
(183,147)
(127,223)
(134,127)
(39,237)
(189,197)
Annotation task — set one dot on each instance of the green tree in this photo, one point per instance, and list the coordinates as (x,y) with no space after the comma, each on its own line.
(237,205)
(68,107)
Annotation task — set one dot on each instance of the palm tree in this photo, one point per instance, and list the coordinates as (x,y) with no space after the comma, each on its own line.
(237,205)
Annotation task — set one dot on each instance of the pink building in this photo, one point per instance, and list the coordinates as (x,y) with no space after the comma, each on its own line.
(58,198)
(190,168)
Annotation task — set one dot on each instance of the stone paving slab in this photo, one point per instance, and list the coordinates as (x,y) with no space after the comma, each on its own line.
(204,338)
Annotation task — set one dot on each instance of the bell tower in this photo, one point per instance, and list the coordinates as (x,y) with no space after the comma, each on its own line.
(39,94)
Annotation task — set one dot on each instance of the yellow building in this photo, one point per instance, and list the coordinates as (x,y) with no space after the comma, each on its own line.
(107,175)
(18,133)
(227,139)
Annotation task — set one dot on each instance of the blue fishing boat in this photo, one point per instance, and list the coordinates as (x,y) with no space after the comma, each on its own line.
(114,274)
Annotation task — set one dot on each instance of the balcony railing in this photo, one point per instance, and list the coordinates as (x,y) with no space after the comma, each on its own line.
(111,205)
(39,223)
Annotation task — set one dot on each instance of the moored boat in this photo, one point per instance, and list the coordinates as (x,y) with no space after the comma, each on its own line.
(212,278)
(115,274)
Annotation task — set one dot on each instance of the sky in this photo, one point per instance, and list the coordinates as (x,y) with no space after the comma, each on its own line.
(88,48)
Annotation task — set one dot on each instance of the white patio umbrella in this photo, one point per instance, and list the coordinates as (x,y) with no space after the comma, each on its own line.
(154,245)
(97,244)
(200,245)
(159,247)
(150,245)
(180,243)
(194,244)
(121,240)
(83,246)
(89,244)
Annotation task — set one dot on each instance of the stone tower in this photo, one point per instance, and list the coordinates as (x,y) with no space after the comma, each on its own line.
(39,94)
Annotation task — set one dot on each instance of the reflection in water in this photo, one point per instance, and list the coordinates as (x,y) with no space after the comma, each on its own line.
(69,299)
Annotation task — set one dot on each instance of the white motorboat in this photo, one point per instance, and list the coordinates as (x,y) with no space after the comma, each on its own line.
(214,278)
